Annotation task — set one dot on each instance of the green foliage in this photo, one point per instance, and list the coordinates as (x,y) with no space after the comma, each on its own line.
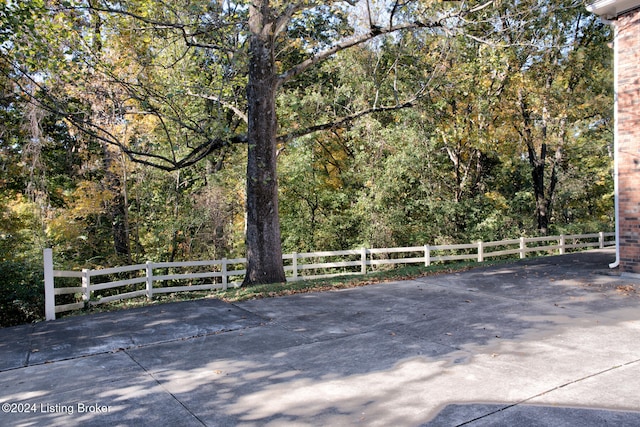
(21,293)
(456,167)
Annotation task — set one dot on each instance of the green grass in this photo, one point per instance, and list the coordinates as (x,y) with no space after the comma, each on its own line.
(290,288)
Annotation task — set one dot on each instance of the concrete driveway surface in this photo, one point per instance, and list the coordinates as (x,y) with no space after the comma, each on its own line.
(550,341)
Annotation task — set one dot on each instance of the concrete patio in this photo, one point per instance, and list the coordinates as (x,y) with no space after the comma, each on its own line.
(542,342)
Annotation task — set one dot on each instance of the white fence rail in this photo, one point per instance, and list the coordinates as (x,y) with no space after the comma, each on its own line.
(154,278)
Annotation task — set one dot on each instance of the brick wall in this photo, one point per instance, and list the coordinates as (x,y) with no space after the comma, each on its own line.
(628,45)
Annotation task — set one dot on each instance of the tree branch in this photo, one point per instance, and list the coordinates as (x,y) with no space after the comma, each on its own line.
(284,19)
(222,102)
(374,32)
(346,44)
(100,133)
(342,121)
(189,39)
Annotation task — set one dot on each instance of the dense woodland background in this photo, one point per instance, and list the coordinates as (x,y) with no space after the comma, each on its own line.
(499,129)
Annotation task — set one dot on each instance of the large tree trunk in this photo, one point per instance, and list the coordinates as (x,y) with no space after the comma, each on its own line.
(264,247)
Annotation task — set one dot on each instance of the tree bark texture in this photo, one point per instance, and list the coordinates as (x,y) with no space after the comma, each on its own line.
(264,250)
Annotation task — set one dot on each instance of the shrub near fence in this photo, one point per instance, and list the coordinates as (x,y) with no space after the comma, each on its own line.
(153,278)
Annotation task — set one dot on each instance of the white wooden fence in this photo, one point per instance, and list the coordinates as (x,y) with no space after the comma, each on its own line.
(154,278)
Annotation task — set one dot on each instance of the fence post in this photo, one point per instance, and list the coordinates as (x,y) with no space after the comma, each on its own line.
(480,251)
(601,239)
(149,273)
(295,266)
(49,292)
(363,261)
(562,243)
(86,282)
(523,245)
(427,256)
(225,278)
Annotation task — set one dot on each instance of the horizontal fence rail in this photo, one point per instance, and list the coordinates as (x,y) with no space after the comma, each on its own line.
(152,278)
